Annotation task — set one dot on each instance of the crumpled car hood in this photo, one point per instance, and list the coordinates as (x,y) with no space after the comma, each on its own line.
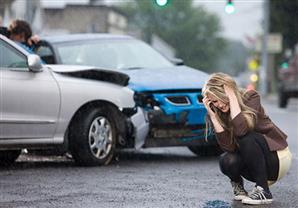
(177,77)
(87,72)
(147,79)
(68,68)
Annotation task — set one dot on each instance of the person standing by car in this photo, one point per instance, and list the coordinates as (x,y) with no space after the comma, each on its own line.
(20,32)
(255,148)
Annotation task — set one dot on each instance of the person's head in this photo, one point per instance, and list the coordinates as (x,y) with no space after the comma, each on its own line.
(214,90)
(20,31)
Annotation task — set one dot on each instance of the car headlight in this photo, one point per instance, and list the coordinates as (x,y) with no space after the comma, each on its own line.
(145,100)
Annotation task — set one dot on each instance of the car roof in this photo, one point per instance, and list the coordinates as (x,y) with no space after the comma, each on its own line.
(15,45)
(84,36)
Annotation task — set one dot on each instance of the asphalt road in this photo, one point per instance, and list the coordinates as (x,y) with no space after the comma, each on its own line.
(159,178)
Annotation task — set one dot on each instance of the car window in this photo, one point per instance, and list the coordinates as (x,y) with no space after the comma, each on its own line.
(45,53)
(11,58)
(115,54)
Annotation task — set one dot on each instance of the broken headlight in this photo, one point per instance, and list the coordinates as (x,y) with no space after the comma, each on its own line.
(145,100)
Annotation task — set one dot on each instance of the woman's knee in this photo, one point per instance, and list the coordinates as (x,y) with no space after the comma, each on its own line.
(228,161)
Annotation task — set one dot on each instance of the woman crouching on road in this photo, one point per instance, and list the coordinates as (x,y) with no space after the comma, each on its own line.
(255,148)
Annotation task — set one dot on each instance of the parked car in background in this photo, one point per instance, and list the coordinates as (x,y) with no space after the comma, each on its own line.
(168,93)
(288,81)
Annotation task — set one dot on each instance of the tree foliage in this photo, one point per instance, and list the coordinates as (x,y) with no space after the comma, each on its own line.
(192,31)
(284,20)
(233,59)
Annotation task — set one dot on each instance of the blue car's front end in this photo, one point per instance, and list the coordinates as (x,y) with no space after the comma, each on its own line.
(171,100)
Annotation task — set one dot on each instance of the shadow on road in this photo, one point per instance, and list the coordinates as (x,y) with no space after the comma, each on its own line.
(136,156)
(123,157)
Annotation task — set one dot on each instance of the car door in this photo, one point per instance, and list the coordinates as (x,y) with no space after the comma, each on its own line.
(29,101)
(46,52)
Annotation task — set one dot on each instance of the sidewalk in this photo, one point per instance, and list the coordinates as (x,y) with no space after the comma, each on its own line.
(273,98)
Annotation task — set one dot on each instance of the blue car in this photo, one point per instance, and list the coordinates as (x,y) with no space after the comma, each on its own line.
(167,94)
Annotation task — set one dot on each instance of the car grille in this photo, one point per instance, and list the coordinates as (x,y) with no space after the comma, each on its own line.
(178,100)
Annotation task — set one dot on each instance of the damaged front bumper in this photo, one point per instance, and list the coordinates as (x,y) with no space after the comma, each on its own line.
(155,129)
(141,127)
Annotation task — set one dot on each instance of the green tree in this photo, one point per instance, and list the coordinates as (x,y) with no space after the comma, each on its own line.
(192,31)
(233,59)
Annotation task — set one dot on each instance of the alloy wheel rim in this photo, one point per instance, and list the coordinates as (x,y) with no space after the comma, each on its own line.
(100,137)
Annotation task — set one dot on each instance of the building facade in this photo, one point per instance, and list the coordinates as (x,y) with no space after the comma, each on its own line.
(84,19)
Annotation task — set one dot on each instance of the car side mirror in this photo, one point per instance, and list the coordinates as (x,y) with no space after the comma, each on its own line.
(34,63)
(177,61)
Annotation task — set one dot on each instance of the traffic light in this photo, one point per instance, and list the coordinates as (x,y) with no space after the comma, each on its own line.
(284,65)
(230,8)
(254,77)
(161,3)
(253,63)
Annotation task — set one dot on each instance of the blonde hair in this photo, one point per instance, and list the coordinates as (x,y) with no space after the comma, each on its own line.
(215,87)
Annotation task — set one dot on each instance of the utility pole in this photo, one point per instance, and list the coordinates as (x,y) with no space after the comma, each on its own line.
(264,60)
(29,11)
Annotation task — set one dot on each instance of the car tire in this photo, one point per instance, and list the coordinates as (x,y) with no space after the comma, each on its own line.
(7,157)
(93,136)
(282,99)
(210,150)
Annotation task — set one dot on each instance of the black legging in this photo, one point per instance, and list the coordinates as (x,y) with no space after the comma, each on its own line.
(253,161)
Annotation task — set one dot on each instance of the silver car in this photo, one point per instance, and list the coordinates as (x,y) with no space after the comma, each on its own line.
(42,106)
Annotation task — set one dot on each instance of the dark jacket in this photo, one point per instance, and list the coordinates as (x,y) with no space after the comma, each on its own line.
(4,31)
(275,138)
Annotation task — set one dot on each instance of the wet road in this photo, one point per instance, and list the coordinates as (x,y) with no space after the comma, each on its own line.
(163,177)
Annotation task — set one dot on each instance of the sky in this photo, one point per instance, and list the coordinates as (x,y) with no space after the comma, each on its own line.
(244,22)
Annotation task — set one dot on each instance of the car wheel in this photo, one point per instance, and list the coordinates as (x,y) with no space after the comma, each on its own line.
(93,137)
(282,99)
(210,150)
(8,157)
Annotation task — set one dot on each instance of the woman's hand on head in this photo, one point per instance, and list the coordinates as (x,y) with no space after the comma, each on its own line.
(217,126)
(33,40)
(233,101)
(207,103)
(229,91)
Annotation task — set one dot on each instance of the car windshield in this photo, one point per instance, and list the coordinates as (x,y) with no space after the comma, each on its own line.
(115,54)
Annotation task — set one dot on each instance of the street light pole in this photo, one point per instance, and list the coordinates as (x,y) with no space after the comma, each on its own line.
(29,10)
(264,61)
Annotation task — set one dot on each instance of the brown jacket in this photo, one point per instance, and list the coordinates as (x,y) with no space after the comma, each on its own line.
(275,138)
